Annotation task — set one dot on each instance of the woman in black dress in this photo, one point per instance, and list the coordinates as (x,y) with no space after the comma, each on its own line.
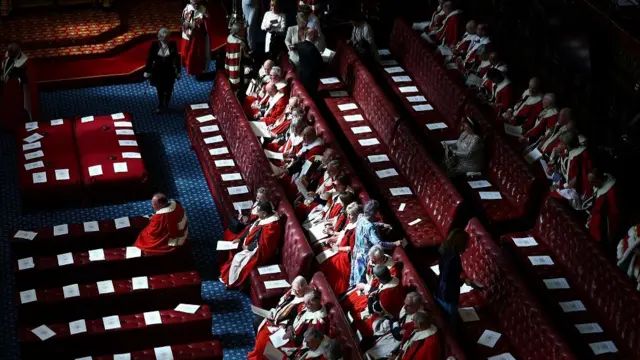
(163,68)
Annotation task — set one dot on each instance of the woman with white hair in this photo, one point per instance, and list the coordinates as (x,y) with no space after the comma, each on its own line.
(163,67)
(467,153)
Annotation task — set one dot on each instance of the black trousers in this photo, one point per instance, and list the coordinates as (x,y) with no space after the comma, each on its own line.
(165,90)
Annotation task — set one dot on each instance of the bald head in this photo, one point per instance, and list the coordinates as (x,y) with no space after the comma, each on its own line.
(471,26)
(549,100)
(268,65)
(534,86)
(159,201)
(271,89)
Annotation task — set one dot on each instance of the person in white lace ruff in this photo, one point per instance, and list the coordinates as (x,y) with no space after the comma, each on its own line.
(467,153)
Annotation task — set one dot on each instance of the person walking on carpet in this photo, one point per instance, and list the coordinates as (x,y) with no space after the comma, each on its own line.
(163,68)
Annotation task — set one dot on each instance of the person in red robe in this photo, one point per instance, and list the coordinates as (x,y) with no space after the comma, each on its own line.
(235,51)
(469,39)
(493,62)
(436,20)
(307,203)
(167,229)
(544,124)
(282,124)
(317,346)
(276,106)
(256,89)
(326,215)
(551,141)
(290,144)
(18,88)
(195,47)
(422,343)
(259,242)
(628,254)
(500,97)
(604,222)
(286,310)
(243,220)
(312,145)
(574,164)
(528,107)
(388,333)
(449,32)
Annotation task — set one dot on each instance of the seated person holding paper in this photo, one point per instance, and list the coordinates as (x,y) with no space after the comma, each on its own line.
(256,90)
(467,154)
(259,243)
(493,62)
(236,227)
(167,229)
(280,127)
(328,214)
(308,201)
(604,221)
(528,107)
(422,343)
(471,58)
(628,254)
(292,140)
(317,346)
(574,163)
(312,146)
(274,106)
(336,265)
(499,96)
(388,333)
(550,141)
(546,121)
(385,301)
(287,309)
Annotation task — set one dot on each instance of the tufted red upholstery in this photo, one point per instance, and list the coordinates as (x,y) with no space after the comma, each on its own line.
(505,305)
(609,297)
(340,328)
(46,244)
(116,265)
(204,350)
(176,327)
(165,290)
(411,279)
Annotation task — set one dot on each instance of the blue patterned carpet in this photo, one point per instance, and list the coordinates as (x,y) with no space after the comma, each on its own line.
(174,170)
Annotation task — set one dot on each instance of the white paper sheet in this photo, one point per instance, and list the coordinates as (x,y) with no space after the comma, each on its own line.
(120,167)
(336,94)
(231,177)
(124,132)
(237,190)
(219,151)
(43,332)
(125,356)
(77,327)
(557,283)
(70,291)
(62,174)
(329,81)
(276,284)
(378,158)
(199,106)
(402,207)
(34,165)
(503,356)
(436,269)
(540,260)
(243,205)
(62,229)
(152,318)
(205,118)
(133,252)
(271,353)
(468,314)
(91,226)
(95,170)
(32,146)
(445,50)
(26,263)
(479,184)
(34,155)
(489,338)
(384,52)
(603,347)
(273,155)
(105,287)
(122,124)
(360,130)
(513,130)
(96,255)
(369,142)
(57,122)
(417,98)
(327,55)
(30,126)
(414,222)
(400,79)
(39,177)
(213,139)
(465,289)
(474,81)
(33,137)
(131,155)
(533,156)
(125,143)
(386,173)
(277,338)
(187,308)
(65,259)
(317,232)
(225,163)
(353,118)
(323,256)
(261,312)
(86,119)
(572,306)
(408,89)
(388,62)
(226,245)
(490,195)
(209,129)
(27,235)
(163,353)
(525,241)
(122,222)
(589,328)
(270,269)
(111,322)
(436,126)
(394,70)
(118,116)
(347,107)
(401,191)
(28,296)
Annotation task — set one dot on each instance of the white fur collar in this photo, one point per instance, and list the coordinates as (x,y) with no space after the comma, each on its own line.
(305,148)
(324,347)
(313,317)
(418,336)
(408,317)
(18,62)
(501,86)
(390,285)
(530,100)
(168,209)
(268,220)
(575,152)
(548,112)
(608,184)
(628,245)
(296,139)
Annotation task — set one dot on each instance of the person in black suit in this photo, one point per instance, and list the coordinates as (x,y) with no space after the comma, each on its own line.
(163,68)
(310,64)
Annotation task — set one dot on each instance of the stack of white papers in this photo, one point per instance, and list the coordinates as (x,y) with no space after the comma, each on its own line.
(152,318)
(468,314)
(401,191)
(603,347)
(111,322)
(525,242)
(199,106)
(347,107)
(489,338)
(91,226)
(270,269)
(557,283)
(572,306)
(187,308)
(70,291)
(327,55)
(490,195)
(43,332)
(122,222)
(202,119)
(276,284)
(27,235)
(213,139)
(77,327)
(540,260)
(26,263)
(353,118)
(328,81)
(105,287)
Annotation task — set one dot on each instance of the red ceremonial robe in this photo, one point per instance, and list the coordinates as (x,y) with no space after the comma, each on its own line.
(463,46)
(305,320)
(436,20)
(471,57)
(324,192)
(576,165)
(629,254)
(527,108)
(166,231)
(328,213)
(421,344)
(501,94)
(449,33)
(234,49)
(484,68)
(281,125)
(390,298)
(604,222)
(228,235)
(262,241)
(550,141)
(386,344)
(195,47)
(318,354)
(20,100)
(545,124)
(356,302)
(338,267)
(276,108)
(249,100)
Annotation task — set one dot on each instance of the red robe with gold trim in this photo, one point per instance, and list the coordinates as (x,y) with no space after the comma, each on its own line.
(195,46)
(356,302)
(544,124)
(261,238)
(421,344)
(338,267)
(166,231)
(386,343)
(604,222)
(275,108)
(390,298)
(527,109)
(576,164)
(449,33)
(501,95)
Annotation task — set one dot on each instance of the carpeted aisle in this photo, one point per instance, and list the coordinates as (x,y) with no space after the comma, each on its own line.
(174,170)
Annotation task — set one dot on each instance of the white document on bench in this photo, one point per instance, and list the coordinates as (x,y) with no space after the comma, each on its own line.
(540,260)
(572,306)
(437,126)
(347,107)
(187,308)
(369,142)
(26,263)
(77,327)
(274,155)
(205,118)
(603,347)
(353,118)
(122,124)
(402,206)
(152,318)
(122,222)
(399,79)
(414,222)
(65,259)
(28,296)
(32,146)
(490,195)
(209,129)
(327,55)
(323,256)
(124,356)
(30,126)
(557,283)
(96,255)
(163,353)
(105,287)
(91,226)
(384,52)
(378,158)
(43,332)
(213,139)
(276,284)
(131,155)
(124,132)
(118,116)
(27,235)
(329,81)
(199,106)
(270,269)
(120,167)
(513,130)
(34,165)
(139,282)
(237,190)
(133,252)
(468,314)
(57,122)
(417,98)
(219,151)
(504,356)
(489,338)
(360,130)
(127,143)
(386,173)
(86,119)
(479,184)
(401,191)
(260,129)
(525,241)
(226,245)
(394,70)
(33,137)
(39,177)
(224,163)
(231,177)
(408,89)
(34,155)
(111,322)
(589,328)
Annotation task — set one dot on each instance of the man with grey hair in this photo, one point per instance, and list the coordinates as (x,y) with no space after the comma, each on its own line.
(316,346)
(312,315)
(281,125)
(195,47)
(423,342)
(163,68)
(544,124)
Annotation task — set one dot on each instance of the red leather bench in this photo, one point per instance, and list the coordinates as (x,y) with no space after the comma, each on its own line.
(164,291)
(433,200)
(109,141)
(609,298)
(340,64)
(504,305)
(47,243)
(411,279)
(204,350)
(339,326)
(116,265)
(134,333)
(48,167)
